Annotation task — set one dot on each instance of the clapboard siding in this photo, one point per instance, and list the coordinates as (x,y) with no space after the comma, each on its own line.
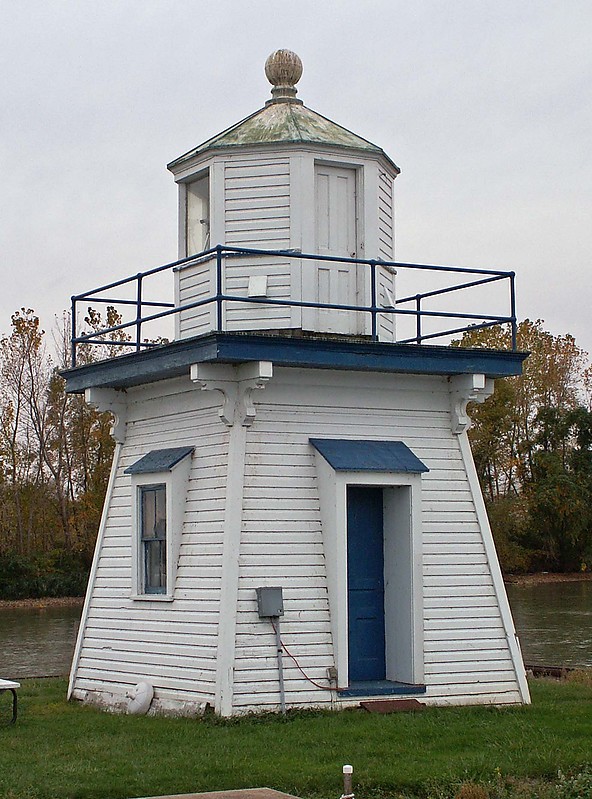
(257,214)
(175,645)
(281,494)
(255,203)
(171,644)
(453,649)
(385,216)
(103,614)
(259,315)
(101,678)
(282,545)
(386,277)
(196,283)
(468,656)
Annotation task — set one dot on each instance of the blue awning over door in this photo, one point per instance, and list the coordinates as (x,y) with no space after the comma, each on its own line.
(355,455)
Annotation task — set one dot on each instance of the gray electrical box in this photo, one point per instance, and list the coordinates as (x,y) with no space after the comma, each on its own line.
(270,601)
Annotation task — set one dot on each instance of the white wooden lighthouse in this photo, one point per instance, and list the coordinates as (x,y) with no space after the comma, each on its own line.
(293,517)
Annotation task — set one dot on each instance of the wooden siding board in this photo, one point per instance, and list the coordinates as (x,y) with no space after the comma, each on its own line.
(90,686)
(153,631)
(466,656)
(470,680)
(462,635)
(460,597)
(190,682)
(466,612)
(202,622)
(183,648)
(177,657)
(256,205)
(497,669)
(440,649)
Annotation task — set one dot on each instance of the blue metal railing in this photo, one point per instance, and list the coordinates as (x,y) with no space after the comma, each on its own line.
(220,254)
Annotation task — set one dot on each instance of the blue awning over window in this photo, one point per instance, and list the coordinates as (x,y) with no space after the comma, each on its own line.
(159,460)
(346,455)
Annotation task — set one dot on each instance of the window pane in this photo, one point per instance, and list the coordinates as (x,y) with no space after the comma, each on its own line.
(148,513)
(153,537)
(155,566)
(160,512)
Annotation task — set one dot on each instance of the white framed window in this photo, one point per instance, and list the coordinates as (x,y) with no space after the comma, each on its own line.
(159,486)
(152,500)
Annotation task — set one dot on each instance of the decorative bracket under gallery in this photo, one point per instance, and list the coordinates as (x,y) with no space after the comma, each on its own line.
(465,389)
(114,401)
(236,384)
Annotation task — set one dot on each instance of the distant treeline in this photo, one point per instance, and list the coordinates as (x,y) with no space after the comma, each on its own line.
(532,442)
(55,457)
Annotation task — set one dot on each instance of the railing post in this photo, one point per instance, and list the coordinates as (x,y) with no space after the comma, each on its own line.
(418,318)
(73,332)
(373,299)
(218,288)
(513,311)
(139,313)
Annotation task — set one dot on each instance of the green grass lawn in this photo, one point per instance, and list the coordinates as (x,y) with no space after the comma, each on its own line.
(60,749)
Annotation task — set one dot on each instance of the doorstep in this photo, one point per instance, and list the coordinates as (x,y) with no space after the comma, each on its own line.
(372,688)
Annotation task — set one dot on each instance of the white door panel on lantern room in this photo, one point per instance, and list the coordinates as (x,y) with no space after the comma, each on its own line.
(336,235)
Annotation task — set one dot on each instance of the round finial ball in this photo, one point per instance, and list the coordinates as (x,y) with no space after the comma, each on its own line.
(283,68)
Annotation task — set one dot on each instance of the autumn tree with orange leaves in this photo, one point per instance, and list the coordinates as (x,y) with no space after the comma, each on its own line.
(533,450)
(55,457)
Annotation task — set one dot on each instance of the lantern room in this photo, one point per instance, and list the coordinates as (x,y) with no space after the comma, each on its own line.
(291,181)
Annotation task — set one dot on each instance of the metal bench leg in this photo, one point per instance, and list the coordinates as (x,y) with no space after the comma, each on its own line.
(14,705)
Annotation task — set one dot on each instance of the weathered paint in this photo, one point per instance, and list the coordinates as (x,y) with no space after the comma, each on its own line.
(257,505)
(283,123)
(270,200)
(175,359)
(254,518)
(263,178)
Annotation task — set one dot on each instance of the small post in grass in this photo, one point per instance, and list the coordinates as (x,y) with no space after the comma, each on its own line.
(347,782)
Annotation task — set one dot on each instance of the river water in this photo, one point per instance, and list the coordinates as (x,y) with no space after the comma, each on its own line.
(553,620)
(37,642)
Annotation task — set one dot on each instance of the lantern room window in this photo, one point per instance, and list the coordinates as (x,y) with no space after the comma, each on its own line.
(197,215)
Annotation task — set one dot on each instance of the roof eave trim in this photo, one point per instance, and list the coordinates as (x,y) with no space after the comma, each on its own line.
(293,143)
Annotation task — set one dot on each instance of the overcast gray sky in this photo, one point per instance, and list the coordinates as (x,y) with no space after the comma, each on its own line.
(485,105)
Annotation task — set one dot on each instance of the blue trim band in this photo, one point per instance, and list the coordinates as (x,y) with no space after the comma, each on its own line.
(175,359)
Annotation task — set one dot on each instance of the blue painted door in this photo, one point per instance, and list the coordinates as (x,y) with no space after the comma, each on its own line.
(365,584)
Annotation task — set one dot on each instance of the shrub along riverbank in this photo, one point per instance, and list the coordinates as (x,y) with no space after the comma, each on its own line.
(66,750)
(53,574)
